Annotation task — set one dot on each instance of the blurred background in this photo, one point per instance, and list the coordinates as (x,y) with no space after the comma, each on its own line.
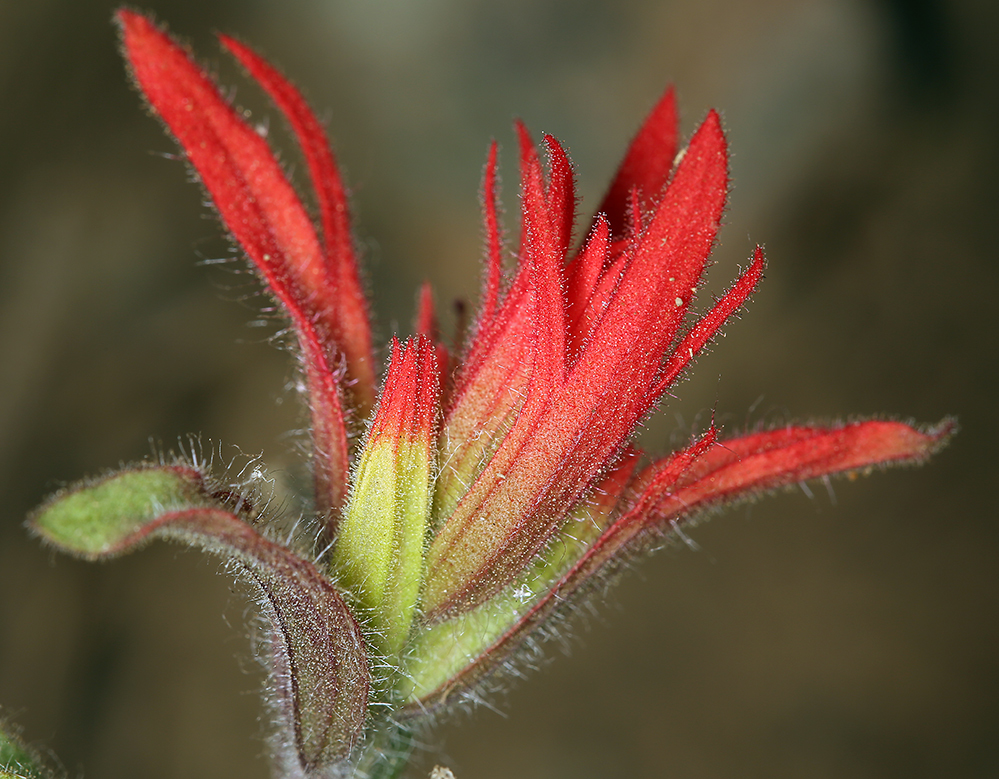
(805,638)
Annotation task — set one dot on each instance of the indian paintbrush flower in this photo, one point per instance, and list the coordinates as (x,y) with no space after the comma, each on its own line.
(497,477)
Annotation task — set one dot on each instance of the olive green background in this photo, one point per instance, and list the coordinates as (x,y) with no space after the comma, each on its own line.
(803,639)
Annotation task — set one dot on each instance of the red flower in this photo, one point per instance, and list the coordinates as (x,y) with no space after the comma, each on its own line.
(497,476)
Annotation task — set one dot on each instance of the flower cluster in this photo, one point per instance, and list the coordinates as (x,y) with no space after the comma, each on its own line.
(496,477)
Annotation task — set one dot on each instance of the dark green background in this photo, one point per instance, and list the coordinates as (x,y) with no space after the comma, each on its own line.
(802,640)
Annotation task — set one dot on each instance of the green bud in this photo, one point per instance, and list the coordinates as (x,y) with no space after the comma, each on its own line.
(381,538)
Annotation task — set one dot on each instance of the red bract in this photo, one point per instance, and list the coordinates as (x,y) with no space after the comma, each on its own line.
(315,282)
(496,478)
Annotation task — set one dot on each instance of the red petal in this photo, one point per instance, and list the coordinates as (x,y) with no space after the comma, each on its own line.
(263,213)
(549,461)
(647,163)
(253,197)
(708,325)
(426,316)
(776,458)
(342,301)
(561,194)
(585,272)
(545,255)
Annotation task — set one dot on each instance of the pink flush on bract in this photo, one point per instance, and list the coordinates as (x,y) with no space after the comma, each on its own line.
(497,475)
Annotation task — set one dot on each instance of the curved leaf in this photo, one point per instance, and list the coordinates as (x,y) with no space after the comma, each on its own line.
(319,663)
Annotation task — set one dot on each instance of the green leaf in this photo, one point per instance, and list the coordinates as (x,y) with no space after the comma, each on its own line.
(99,518)
(318,658)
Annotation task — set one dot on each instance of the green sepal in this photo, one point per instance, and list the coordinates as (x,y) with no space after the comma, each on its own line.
(379,552)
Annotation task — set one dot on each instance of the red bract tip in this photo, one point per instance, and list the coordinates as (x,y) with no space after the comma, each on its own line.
(561,194)
(776,458)
(426,315)
(708,325)
(408,404)
(647,164)
(584,278)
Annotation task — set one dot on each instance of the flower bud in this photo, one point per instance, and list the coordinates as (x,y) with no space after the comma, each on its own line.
(381,538)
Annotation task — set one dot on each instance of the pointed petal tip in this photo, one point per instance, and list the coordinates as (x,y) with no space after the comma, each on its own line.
(124,16)
(888,442)
(131,25)
(525,141)
(137,28)
(936,437)
(237,49)
(493,236)
(228,42)
(556,150)
(711,131)
(647,163)
(426,312)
